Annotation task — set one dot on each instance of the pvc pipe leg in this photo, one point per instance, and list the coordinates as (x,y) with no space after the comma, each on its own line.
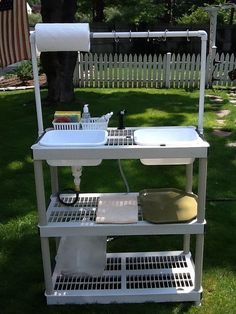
(202,181)
(54,179)
(188,188)
(199,261)
(189,178)
(40,194)
(46,265)
(186,243)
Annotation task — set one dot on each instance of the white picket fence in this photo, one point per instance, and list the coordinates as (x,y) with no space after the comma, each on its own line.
(152,71)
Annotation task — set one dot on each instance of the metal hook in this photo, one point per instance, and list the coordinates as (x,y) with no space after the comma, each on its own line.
(148,35)
(115,37)
(164,37)
(188,39)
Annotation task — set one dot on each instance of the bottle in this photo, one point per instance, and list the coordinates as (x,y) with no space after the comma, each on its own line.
(86,114)
(108,116)
(105,117)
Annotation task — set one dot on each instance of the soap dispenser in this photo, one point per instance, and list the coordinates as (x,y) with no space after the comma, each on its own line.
(86,114)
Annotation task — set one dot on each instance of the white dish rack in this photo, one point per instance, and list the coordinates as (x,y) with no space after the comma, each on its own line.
(95,123)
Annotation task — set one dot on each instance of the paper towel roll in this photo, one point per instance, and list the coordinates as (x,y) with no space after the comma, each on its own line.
(62,36)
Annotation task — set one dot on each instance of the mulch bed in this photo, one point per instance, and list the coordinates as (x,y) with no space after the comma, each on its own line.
(15,81)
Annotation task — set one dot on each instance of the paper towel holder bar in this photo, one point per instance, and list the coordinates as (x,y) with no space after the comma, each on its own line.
(149,34)
(115,35)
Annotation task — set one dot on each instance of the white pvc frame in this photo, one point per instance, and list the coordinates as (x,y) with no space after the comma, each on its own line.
(117,35)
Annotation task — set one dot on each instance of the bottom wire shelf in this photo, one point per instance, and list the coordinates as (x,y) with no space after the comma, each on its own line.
(131,278)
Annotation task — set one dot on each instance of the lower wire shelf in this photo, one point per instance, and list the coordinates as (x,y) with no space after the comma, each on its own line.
(65,220)
(130,278)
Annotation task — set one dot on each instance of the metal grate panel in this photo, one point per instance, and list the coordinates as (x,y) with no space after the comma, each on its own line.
(87,283)
(120,137)
(83,202)
(113,263)
(178,280)
(155,262)
(84,210)
(118,133)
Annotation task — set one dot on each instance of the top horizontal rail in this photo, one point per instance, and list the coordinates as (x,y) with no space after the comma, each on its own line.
(149,34)
(59,45)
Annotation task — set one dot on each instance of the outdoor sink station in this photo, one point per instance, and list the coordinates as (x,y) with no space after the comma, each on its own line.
(81,222)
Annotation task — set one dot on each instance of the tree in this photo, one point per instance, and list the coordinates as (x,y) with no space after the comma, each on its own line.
(59,66)
(199,16)
(98,10)
(133,11)
(91,10)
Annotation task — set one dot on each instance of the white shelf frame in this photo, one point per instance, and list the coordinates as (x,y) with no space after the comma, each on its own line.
(135,152)
(195,227)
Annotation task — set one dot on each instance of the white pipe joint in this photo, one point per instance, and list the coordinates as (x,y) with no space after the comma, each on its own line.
(202,34)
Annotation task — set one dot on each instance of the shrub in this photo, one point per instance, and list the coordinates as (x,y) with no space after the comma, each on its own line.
(34,18)
(25,71)
(9,75)
(199,16)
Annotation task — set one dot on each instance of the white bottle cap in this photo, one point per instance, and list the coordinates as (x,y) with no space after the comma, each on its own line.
(85,109)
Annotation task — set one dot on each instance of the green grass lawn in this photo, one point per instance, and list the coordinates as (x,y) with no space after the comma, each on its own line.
(21,275)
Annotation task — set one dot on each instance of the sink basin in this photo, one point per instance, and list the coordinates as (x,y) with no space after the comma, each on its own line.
(167,137)
(74,138)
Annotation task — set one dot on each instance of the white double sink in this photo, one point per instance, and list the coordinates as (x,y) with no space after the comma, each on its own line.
(159,136)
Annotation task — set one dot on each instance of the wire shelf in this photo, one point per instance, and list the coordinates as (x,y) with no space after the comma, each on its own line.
(84,210)
(172,272)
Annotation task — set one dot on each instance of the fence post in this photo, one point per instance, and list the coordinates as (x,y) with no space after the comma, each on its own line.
(79,69)
(76,78)
(167,70)
(210,66)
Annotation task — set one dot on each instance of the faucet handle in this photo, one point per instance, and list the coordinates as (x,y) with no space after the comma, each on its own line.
(121,115)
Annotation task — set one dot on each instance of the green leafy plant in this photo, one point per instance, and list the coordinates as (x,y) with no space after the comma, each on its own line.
(9,75)
(34,18)
(25,71)
(199,16)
